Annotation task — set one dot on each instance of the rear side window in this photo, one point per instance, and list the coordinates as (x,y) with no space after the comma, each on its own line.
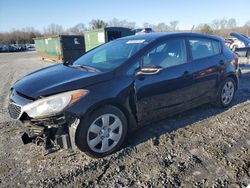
(202,48)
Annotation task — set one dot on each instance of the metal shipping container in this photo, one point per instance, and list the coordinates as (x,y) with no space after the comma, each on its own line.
(60,48)
(97,37)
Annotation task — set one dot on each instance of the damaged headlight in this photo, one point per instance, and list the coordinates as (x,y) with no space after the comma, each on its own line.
(53,104)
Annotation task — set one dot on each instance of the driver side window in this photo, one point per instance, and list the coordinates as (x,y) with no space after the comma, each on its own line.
(167,54)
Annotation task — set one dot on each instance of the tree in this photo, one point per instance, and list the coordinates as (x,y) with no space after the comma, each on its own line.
(22,36)
(173,25)
(162,27)
(206,29)
(77,29)
(31,36)
(97,24)
(53,29)
(231,23)
(247,28)
(127,24)
(114,22)
(216,24)
(223,23)
(121,23)
(247,23)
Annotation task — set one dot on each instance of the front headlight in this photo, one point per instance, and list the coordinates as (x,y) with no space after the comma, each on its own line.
(54,104)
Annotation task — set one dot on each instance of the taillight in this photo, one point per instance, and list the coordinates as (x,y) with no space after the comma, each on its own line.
(235,62)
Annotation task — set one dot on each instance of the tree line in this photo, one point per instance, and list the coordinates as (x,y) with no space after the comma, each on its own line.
(221,27)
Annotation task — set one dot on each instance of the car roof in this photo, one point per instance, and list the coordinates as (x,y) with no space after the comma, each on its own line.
(160,35)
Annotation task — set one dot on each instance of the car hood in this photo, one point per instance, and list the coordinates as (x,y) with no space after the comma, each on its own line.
(242,38)
(57,79)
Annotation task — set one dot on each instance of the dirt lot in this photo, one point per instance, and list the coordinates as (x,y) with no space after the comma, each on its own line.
(205,147)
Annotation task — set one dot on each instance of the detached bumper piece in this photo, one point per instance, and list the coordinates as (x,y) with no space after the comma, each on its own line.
(53,133)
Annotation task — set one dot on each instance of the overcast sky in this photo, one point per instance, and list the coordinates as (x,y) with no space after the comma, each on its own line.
(40,13)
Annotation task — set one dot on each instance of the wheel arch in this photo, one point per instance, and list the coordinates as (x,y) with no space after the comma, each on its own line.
(124,107)
(235,78)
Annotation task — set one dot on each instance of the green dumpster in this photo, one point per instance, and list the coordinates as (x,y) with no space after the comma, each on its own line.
(97,37)
(60,48)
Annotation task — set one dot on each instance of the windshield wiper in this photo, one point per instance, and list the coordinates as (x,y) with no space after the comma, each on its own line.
(87,68)
(67,63)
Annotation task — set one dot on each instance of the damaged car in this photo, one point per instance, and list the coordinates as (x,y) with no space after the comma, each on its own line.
(93,103)
(242,51)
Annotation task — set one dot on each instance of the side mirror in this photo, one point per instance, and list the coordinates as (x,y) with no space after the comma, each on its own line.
(148,71)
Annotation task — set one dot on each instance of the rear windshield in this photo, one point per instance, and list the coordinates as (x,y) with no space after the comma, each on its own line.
(111,55)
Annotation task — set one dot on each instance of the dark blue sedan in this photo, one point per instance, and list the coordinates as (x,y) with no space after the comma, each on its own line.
(115,88)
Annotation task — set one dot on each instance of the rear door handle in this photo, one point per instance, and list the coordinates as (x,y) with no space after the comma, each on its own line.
(187,74)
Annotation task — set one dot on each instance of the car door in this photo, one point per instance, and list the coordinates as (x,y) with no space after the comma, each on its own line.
(164,92)
(208,61)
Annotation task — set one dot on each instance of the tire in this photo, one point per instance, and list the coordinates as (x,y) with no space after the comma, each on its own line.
(102,132)
(226,93)
(239,73)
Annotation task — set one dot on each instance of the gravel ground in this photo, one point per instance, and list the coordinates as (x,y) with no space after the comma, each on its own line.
(205,147)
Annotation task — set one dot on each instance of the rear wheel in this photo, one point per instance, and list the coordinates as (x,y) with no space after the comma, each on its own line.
(226,93)
(103,132)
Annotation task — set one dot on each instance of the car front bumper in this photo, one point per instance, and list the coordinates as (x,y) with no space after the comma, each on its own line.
(57,131)
(52,132)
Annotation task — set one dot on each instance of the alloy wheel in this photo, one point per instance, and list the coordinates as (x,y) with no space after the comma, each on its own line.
(104,133)
(227,92)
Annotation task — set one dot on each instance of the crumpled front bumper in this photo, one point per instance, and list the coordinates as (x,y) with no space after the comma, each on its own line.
(52,132)
(56,131)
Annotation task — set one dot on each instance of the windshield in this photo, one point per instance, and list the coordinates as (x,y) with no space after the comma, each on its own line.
(110,55)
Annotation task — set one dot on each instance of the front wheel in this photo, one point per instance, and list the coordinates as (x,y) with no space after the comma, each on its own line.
(103,132)
(226,93)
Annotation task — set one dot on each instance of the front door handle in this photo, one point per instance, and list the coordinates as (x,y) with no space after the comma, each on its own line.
(186,74)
